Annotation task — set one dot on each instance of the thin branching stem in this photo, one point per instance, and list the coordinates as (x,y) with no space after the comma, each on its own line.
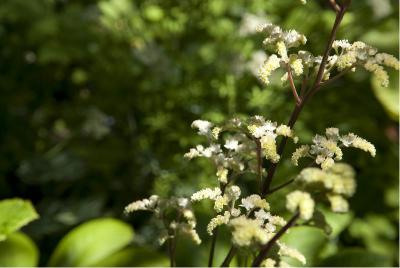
(292,86)
(259,163)
(316,86)
(334,5)
(267,247)
(229,257)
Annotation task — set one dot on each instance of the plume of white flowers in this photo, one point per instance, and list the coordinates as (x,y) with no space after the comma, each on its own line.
(267,132)
(338,182)
(284,250)
(247,231)
(144,204)
(361,54)
(254,201)
(326,149)
(185,224)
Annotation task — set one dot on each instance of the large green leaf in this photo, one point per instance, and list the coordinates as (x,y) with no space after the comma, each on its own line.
(356,258)
(308,240)
(15,213)
(18,250)
(141,257)
(337,221)
(91,242)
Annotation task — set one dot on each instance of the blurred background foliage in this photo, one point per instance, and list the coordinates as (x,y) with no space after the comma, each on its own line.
(98,98)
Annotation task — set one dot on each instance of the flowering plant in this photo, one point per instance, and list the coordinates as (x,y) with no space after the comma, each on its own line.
(255,145)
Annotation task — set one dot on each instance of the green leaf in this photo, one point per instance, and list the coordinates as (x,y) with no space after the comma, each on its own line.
(18,250)
(307,240)
(15,213)
(137,257)
(356,257)
(318,220)
(388,96)
(91,242)
(337,221)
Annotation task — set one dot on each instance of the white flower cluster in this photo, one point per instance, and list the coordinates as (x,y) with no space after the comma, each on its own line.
(230,152)
(266,132)
(301,201)
(275,34)
(326,149)
(144,204)
(338,182)
(280,41)
(232,193)
(360,54)
(185,224)
(346,56)
(284,250)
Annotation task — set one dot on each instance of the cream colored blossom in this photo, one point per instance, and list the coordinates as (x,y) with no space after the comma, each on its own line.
(220,202)
(247,231)
(254,201)
(284,250)
(206,193)
(300,152)
(327,163)
(268,263)
(233,192)
(301,201)
(388,60)
(297,66)
(215,132)
(203,126)
(284,130)
(144,204)
(222,174)
(268,144)
(281,50)
(341,44)
(358,142)
(380,74)
(271,64)
(217,221)
(338,203)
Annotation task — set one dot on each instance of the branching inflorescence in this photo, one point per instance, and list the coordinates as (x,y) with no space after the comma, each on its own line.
(244,145)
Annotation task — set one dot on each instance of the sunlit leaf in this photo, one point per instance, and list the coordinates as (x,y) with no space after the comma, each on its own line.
(91,242)
(356,258)
(15,213)
(18,250)
(308,240)
(135,257)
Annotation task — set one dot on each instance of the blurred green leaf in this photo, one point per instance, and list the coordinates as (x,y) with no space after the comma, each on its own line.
(91,242)
(138,257)
(18,250)
(307,240)
(338,222)
(356,258)
(15,213)
(318,220)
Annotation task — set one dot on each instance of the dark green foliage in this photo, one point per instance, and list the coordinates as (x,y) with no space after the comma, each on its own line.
(97,98)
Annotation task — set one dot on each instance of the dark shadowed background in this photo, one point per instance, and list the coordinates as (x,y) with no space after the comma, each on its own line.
(97,98)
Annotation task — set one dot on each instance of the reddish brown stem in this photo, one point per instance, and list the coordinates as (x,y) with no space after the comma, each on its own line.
(267,247)
(291,82)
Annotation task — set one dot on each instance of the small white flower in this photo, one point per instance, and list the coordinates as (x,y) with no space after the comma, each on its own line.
(232,144)
(203,126)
